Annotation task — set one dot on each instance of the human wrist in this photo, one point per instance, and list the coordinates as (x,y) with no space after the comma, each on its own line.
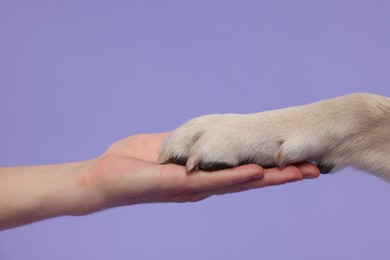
(32,193)
(85,192)
(62,190)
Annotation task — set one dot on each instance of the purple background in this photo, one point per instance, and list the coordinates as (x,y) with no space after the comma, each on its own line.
(77,75)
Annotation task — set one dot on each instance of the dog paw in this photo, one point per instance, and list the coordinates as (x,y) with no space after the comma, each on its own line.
(216,142)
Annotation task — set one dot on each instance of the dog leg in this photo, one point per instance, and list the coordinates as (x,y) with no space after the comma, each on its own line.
(347,130)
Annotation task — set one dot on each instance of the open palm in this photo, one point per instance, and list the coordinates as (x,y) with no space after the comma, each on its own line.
(127,173)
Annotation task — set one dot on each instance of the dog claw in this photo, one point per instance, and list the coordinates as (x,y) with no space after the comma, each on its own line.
(213,166)
(324,168)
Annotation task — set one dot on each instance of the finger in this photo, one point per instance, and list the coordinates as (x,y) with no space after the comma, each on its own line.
(309,170)
(205,180)
(272,176)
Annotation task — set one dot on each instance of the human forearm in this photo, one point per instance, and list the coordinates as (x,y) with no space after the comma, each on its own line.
(33,193)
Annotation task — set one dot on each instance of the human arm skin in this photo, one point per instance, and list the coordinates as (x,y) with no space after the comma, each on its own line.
(126,174)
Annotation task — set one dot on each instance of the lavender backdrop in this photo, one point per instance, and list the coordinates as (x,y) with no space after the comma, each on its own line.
(77,75)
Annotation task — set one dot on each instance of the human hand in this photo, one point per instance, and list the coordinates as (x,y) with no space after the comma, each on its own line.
(127,173)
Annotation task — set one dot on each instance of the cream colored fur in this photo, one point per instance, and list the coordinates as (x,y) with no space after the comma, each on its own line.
(349,130)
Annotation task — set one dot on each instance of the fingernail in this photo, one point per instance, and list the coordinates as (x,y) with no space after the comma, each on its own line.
(309,176)
(257,176)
